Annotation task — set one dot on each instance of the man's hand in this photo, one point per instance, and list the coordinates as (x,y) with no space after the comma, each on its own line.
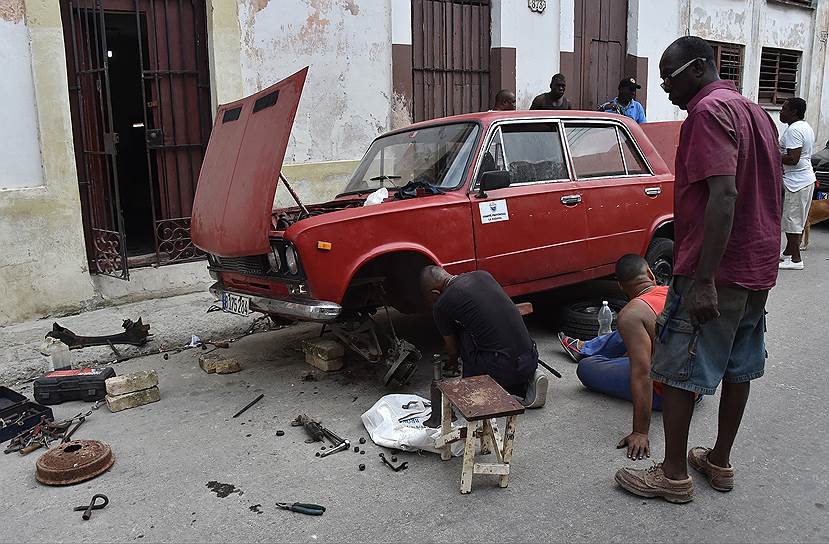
(702,301)
(637,444)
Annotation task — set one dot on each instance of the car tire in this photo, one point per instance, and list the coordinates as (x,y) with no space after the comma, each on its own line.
(660,257)
(580,319)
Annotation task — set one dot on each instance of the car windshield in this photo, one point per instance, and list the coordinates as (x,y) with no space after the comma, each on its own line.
(434,155)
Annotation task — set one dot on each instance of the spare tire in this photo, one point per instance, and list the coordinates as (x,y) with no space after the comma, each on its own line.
(660,257)
(581,319)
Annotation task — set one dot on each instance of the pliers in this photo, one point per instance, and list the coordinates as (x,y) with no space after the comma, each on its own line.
(302,508)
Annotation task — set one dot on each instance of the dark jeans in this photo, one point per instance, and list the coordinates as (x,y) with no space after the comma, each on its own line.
(513,374)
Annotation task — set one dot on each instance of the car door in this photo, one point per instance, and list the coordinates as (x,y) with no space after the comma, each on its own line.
(620,195)
(536,227)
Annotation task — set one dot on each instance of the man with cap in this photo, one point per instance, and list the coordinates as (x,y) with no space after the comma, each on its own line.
(625,103)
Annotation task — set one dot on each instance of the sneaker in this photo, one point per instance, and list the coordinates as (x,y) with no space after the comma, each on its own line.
(789,264)
(536,395)
(721,479)
(651,482)
(571,347)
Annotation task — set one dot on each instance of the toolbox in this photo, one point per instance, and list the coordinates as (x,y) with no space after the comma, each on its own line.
(86,384)
(18,414)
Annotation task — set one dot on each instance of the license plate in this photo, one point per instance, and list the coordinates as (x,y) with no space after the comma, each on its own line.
(235,304)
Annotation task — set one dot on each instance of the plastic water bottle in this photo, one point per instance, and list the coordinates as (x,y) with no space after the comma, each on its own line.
(605,319)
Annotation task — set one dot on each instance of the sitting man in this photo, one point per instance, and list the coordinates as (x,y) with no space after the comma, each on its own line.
(480,323)
(619,364)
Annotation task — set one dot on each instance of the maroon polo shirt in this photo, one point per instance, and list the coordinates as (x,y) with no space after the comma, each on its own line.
(726,134)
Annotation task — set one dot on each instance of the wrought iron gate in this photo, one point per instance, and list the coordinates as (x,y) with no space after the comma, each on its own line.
(175,92)
(450,57)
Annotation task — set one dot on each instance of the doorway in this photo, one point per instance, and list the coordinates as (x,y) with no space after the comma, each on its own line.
(140,100)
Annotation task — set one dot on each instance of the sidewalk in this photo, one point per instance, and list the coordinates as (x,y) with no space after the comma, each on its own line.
(172,322)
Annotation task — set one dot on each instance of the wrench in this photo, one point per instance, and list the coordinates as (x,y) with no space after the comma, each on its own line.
(403,466)
(344,445)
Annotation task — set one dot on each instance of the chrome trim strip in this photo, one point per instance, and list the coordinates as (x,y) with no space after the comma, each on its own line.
(321,311)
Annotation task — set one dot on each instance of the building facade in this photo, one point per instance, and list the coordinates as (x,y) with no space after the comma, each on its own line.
(109,103)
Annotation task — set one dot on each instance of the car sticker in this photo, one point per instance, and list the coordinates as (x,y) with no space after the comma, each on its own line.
(494,211)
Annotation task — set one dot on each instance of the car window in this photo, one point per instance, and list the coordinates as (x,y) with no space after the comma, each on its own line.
(595,151)
(633,160)
(531,152)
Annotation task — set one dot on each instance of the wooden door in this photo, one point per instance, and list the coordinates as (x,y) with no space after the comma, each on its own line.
(599,50)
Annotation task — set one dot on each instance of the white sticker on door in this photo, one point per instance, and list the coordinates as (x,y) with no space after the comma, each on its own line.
(493,211)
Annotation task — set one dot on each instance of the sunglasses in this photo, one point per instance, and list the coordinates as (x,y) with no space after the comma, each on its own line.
(677,72)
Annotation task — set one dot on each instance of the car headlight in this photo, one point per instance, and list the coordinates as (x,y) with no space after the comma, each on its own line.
(290,260)
(274,261)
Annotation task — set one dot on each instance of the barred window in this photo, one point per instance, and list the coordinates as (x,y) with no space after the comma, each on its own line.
(778,75)
(729,60)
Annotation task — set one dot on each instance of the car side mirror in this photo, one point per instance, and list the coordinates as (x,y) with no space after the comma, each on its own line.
(495,179)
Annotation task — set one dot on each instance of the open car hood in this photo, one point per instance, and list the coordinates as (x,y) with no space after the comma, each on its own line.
(237,183)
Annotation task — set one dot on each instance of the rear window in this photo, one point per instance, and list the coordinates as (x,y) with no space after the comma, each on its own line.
(595,151)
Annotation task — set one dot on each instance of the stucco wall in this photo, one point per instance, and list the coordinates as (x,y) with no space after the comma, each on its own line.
(19,145)
(347,96)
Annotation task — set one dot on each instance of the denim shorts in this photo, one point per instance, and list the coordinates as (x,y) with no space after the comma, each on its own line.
(730,348)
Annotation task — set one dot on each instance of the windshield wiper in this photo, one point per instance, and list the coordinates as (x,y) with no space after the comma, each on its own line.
(390,178)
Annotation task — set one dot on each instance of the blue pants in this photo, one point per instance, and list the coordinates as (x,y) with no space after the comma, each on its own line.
(606,369)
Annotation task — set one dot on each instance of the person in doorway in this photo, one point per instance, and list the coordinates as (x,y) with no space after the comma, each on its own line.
(619,364)
(482,326)
(727,209)
(553,100)
(504,100)
(796,144)
(625,102)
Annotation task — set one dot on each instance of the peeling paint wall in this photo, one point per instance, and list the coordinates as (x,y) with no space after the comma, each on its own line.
(347,43)
(19,143)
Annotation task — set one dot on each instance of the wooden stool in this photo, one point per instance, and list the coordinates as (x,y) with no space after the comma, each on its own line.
(478,399)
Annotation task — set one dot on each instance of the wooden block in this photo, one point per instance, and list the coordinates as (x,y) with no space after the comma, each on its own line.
(132,400)
(128,383)
(524,308)
(323,348)
(491,468)
(326,365)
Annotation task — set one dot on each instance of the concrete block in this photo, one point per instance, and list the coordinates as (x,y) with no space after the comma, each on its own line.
(323,348)
(326,365)
(208,363)
(227,366)
(128,383)
(131,400)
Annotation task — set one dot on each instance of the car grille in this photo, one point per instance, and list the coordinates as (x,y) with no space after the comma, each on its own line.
(822,179)
(251,265)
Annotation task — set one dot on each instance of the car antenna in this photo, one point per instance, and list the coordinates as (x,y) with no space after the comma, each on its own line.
(293,194)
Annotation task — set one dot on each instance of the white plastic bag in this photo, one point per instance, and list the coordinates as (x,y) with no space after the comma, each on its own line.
(377,197)
(382,421)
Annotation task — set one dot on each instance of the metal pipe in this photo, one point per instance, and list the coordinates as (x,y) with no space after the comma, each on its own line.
(293,194)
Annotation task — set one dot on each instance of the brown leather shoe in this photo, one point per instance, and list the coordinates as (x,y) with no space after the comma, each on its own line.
(651,482)
(721,479)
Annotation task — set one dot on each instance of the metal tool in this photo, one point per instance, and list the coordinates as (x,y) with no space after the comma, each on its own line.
(437,370)
(402,466)
(135,333)
(344,445)
(69,432)
(313,428)
(87,510)
(551,369)
(251,403)
(302,508)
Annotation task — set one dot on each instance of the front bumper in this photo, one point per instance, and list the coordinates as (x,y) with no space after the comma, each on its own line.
(303,309)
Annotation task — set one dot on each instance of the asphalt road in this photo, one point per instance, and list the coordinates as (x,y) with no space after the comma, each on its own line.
(562,484)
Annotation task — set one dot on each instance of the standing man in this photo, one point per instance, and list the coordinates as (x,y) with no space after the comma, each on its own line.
(554,100)
(796,144)
(504,100)
(481,325)
(625,102)
(727,225)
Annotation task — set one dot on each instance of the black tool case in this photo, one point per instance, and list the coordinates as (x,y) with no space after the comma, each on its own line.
(86,384)
(12,405)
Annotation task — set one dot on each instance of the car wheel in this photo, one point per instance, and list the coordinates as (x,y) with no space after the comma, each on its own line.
(660,257)
(581,319)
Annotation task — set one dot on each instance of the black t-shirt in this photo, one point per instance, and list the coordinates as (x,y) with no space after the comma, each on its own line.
(475,303)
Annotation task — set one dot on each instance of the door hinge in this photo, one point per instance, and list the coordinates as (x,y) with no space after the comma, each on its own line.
(110,143)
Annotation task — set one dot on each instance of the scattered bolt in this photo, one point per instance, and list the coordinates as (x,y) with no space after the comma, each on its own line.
(318,454)
(394,459)
(280,433)
(361,467)
(322,448)
(362,452)
(356,449)
(362,440)
(166,356)
(247,435)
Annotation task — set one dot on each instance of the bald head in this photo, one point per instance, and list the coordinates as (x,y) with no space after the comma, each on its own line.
(686,66)
(433,280)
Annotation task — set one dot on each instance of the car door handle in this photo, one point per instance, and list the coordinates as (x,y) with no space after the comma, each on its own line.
(653,191)
(570,200)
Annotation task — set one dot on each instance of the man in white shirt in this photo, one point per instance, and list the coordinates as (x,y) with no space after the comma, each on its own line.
(796,145)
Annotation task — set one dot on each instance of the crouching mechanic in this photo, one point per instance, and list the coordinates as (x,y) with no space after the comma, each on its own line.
(481,325)
(619,364)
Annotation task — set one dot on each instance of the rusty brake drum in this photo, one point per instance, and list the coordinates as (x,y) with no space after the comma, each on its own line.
(74,462)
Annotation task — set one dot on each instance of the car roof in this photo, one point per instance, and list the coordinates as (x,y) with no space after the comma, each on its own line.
(488,117)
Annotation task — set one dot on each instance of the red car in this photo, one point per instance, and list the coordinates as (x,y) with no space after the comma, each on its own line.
(539,199)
